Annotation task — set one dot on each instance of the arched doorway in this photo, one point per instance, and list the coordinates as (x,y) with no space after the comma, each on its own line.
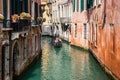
(15,59)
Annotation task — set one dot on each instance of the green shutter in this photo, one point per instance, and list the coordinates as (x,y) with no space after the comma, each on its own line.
(16,7)
(12,6)
(82,5)
(74,6)
(5,8)
(5,11)
(89,4)
(26,5)
(21,6)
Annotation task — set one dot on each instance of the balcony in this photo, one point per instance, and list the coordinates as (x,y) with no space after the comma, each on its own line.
(65,20)
(6,25)
(49,1)
(21,25)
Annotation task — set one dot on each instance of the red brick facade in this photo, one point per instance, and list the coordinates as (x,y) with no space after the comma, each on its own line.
(108,48)
(79,18)
(103,22)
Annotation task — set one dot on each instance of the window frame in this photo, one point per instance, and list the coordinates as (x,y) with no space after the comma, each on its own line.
(75,30)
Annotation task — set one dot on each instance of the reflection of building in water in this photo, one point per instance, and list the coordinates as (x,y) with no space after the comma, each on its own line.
(80,63)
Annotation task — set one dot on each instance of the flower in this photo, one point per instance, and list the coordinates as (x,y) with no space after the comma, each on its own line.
(1,17)
(32,19)
(40,19)
(24,15)
(15,17)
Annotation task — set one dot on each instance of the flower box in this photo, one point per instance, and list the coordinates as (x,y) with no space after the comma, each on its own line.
(1,17)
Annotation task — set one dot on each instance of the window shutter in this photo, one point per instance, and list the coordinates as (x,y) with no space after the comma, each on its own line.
(5,8)
(74,6)
(82,5)
(16,7)
(91,3)
(88,4)
(26,5)
(4,11)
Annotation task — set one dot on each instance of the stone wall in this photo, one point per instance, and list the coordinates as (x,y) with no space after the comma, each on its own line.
(32,49)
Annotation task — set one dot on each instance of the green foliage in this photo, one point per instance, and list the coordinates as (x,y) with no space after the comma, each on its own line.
(41,20)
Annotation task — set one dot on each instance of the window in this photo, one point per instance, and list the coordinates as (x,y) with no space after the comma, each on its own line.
(18,6)
(36,10)
(91,32)
(89,4)
(100,1)
(75,30)
(95,2)
(5,12)
(112,38)
(96,34)
(84,31)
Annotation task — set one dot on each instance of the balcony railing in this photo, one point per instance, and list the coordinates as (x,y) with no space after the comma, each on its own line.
(6,23)
(21,25)
(65,19)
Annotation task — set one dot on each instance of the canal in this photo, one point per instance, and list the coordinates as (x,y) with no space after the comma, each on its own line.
(65,63)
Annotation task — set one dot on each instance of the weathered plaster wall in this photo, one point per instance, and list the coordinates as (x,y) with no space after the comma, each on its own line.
(79,18)
(0,6)
(30,54)
(103,33)
(108,38)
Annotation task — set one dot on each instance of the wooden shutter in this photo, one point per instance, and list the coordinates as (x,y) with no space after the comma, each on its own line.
(26,5)
(74,5)
(82,5)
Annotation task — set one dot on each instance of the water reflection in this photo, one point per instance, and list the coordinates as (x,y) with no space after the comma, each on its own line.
(65,63)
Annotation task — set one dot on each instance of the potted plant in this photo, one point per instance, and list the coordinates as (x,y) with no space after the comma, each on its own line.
(24,15)
(32,19)
(15,18)
(41,20)
(1,17)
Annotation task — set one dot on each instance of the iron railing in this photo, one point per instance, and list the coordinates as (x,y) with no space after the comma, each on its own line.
(21,25)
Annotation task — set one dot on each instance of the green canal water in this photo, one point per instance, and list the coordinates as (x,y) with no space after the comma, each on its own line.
(65,63)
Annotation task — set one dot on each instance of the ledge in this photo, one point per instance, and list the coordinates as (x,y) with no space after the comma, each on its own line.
(81,48)
(105,68)
(35,25)
(7,29)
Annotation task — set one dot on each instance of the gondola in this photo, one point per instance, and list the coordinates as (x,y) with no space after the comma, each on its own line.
(57,43)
